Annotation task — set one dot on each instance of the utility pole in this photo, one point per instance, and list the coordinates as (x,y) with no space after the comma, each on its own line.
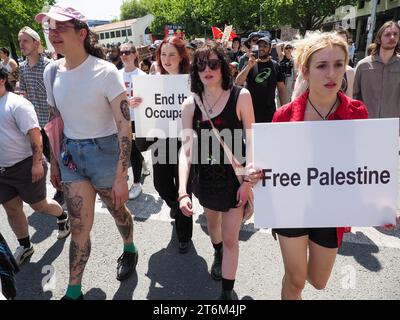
(374,4)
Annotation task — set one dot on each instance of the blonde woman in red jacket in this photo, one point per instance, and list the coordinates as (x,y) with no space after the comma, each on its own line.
(309,253)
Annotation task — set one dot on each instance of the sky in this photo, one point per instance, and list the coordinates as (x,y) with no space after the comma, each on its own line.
(96,9)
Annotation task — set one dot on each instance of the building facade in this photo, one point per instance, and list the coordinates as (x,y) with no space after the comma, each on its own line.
(356,19)
(134,30)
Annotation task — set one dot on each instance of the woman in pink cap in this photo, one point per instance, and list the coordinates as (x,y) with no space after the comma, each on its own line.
(90,95)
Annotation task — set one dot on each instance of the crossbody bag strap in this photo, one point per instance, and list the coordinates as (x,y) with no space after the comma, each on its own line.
(53,73)
(237,167)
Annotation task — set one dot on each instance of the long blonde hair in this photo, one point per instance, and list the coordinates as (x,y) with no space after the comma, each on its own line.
(306,47)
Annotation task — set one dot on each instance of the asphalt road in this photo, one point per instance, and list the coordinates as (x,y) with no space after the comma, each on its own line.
(367,266)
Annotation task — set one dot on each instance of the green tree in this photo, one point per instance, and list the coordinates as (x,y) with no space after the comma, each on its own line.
(131,9)
(16,14)
(301,14)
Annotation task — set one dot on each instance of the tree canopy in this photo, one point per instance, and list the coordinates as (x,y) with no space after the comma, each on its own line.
(16,14)
(245,15)
(131,9)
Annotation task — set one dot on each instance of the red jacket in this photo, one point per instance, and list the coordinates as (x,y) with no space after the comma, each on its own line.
(348,109)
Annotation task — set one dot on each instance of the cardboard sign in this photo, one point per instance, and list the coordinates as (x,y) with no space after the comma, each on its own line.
(326,173)
(227,33)
(160,115)
(144,52)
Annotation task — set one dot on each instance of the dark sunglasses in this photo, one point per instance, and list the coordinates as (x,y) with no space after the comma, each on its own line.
(213,64)
(127,52)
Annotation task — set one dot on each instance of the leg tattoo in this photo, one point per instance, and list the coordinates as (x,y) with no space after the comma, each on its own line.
(78,257)
(74,206)
(122,216)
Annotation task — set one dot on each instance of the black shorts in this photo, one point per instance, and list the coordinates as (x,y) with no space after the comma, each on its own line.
(17,181)
(325,237)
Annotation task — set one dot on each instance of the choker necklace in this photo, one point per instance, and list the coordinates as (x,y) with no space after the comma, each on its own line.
(210,109)
(329,112)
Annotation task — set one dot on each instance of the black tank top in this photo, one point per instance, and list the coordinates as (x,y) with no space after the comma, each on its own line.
(230,128)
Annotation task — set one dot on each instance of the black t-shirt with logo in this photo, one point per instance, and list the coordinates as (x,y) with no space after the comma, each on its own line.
(286,66)
(261,82)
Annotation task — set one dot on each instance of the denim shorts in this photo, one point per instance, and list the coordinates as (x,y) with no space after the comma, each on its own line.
(95,159)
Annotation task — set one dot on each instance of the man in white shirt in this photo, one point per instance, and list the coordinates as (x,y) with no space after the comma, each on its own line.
(23,168)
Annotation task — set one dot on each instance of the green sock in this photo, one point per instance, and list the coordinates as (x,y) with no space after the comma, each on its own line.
(130,248)
(74,291)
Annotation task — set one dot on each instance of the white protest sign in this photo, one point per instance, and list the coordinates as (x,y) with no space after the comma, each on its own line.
(226,34)
(159,115)
(326,173)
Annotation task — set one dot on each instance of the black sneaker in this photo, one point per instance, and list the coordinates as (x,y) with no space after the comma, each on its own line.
(126,265)
(65,298)
(216,267)
(59,197)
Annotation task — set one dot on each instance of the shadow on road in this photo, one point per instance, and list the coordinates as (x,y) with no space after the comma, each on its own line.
(177,276)
(126,288)
(44,226)
(362,253)
(29,279)
(144,206)
(393,233)
(95,294)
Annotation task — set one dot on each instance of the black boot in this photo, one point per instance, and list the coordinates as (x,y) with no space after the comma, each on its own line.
(216,267)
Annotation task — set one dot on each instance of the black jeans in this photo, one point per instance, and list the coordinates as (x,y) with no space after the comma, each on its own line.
(136,159)
(166,182)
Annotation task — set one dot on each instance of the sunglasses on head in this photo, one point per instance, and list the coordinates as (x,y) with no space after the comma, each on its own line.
(126,52)
(213,64)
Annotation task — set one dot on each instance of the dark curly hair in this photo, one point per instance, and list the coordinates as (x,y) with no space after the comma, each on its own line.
(203,53)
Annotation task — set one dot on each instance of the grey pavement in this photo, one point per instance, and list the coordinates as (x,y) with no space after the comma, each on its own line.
(367,266)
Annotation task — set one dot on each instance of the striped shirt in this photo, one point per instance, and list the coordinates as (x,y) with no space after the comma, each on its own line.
(31,81)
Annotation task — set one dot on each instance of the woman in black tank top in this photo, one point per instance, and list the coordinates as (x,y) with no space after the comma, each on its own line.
(231,111)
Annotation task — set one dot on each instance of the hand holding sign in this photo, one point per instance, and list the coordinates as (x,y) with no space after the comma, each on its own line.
(135,102)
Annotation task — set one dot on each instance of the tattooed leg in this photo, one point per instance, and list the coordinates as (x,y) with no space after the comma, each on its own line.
(78,257)
(123,218)
(80,198)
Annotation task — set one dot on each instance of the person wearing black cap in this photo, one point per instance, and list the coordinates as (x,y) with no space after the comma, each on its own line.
(250,41)
(262,77)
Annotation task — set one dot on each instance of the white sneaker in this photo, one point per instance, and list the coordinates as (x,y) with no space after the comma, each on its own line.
(145,168)
(64,228)
(22,253)
(135,191)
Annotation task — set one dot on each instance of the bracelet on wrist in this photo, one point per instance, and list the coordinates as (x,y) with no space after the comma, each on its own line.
(182,197)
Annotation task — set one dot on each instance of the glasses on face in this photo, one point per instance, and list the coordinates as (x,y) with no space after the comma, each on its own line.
(127,52)
(254,40)
(59,28)
(213,64)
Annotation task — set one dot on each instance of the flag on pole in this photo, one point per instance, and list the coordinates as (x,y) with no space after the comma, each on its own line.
(217,33)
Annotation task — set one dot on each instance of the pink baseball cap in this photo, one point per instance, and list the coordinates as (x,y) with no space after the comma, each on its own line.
(61,13)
